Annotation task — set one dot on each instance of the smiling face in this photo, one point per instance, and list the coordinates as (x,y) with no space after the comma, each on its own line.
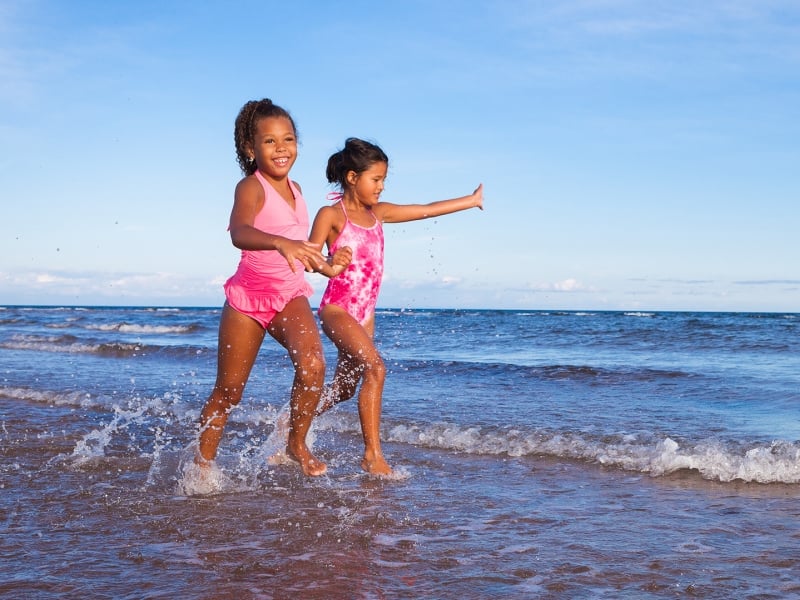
(368,185)
(274,147)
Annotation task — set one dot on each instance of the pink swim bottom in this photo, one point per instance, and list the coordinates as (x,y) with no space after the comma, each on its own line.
(263,316)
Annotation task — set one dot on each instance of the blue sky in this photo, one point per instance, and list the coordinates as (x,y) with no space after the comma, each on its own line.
(634,155)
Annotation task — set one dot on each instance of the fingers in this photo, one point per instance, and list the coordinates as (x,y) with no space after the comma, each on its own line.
(313,250)
(310,256)
(343,256)
(306,253)
(478,193)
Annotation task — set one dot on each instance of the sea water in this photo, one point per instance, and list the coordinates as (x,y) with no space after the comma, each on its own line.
(540,454)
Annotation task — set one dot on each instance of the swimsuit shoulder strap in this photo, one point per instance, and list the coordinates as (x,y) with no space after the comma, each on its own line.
(344,210)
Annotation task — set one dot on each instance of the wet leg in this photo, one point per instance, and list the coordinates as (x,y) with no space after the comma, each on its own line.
(344,384)
(296,330)
(239,340)
(355,342)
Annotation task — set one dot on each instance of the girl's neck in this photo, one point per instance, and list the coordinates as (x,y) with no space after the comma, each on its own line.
(281,185)
(352,203)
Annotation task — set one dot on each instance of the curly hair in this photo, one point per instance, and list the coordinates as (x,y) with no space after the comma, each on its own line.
(357,155)
(245,128)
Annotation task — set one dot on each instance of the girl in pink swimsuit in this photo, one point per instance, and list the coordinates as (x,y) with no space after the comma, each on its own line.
(269,293)
(347,309)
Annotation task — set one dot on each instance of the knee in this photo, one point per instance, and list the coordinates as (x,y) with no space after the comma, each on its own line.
(375,368)
(227,396)
(311,367)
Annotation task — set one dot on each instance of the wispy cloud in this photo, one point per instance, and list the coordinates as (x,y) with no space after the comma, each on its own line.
(768,282)
(43,285)
(569,285)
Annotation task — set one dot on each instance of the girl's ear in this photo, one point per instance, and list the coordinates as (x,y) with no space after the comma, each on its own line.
(351,177)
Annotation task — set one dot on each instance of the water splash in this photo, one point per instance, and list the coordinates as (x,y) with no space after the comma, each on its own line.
(93,445)
(203,480)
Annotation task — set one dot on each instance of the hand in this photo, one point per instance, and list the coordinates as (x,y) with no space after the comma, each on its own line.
(307,253)
(342,257)
(478,196)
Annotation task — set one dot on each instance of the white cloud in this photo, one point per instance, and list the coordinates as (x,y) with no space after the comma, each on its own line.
(565,285)
(111,288)
(568,285)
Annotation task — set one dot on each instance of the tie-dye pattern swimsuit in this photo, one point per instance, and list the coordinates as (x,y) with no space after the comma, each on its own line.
(356,288)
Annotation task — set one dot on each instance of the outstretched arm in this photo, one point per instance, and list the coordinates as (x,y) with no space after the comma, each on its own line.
(400,213)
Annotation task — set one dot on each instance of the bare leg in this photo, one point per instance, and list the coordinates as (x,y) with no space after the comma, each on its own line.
(355,342)
(345,382)
(296,330)
(240,338)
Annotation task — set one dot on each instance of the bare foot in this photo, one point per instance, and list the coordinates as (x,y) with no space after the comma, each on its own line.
(311,466)
(376,466)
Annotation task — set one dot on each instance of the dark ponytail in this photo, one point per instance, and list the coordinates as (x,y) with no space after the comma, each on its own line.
(357,155)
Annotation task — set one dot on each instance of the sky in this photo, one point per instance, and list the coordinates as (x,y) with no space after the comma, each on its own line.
(635,155)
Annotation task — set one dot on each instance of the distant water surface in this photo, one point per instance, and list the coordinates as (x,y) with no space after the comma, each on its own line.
(541,454)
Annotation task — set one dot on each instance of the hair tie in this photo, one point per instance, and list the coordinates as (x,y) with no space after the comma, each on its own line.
(334,196)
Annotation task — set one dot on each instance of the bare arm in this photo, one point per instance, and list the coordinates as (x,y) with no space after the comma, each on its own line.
(325,230)
(247,201)
(400,213)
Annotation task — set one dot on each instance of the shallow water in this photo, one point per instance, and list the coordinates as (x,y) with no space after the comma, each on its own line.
(570,455)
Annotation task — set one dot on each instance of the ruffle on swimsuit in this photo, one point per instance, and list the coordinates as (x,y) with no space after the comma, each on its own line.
(245,300)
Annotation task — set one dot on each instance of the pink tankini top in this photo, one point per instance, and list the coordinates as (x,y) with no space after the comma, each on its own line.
(356,288)
(263,282)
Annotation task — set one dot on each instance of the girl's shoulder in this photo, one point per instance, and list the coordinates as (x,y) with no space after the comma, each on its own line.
(329,221)
(249,186)
(331,213)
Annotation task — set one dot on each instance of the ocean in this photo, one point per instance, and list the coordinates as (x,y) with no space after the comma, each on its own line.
(540,454)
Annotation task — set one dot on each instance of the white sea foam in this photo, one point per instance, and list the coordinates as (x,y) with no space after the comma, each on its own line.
(82,399)
(47,344)
(58,344)
(777,462)
(144,329)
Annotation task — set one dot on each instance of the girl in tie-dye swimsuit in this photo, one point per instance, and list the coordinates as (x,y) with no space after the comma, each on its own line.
(347,309)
